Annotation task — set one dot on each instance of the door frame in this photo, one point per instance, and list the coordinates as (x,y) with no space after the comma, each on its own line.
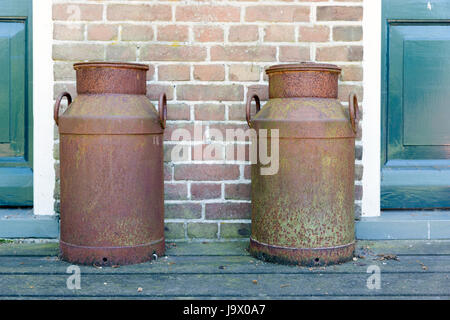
(371,129)
(44,168)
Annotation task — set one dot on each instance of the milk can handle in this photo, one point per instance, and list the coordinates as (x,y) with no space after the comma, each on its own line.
(249,105)
(162,106)
(353,110)
(58,104)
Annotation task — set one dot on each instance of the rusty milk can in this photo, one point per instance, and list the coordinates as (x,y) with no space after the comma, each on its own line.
(111,159)
(304,214)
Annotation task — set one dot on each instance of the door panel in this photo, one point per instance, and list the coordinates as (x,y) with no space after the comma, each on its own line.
(427,97)
(416,97)
(16,174)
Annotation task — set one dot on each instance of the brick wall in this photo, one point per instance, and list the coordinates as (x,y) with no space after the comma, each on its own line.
(208,56)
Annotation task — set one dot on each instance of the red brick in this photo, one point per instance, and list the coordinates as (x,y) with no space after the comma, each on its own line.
(346,89)
(210,92)
(278,13)
(243,33)
(172,53)
(175,72)
(121,52)
(276,33)
(261,90)
(243,53)
(247,172)
(63,72)
(173,33)
(150,72)
(238,191)
(206,172)
(201,230)
(139,12)
(211,112)
(208,34)
(209,72)
(359,169)
(351,73)
(340,53)
(100,32)
(294,54)
(174,230)
(347,33)
(230,210)
(358,192)
(179,111)
(207,13)
(175,191)
(78,52)
(77,12)
(237,112)
(182,211)
(68,32)
(243,72)
(339,13)
(235,230)
(137,32)
(314,34)
(200,191)
(155,90)
(167,172)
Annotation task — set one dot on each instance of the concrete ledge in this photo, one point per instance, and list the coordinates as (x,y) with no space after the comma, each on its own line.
(22,223)
(405,225)
(391,225)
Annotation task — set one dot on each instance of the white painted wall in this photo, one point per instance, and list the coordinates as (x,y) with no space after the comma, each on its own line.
(371,125)
(44,172)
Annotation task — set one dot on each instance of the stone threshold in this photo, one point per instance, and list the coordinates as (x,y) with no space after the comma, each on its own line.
(391,225)
(23,223)
(405,225)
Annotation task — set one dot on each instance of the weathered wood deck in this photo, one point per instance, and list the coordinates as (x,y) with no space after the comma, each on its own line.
(226,271)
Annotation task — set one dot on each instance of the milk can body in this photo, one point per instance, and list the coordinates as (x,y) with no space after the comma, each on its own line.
(304,213)
(111,160)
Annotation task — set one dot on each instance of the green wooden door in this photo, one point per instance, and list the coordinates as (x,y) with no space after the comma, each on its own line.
(16,160)
(416,104)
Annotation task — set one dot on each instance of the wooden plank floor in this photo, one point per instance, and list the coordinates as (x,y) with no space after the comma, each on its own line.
(226,271)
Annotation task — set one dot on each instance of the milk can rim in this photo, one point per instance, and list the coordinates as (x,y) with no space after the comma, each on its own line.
(304,66)
(105,64)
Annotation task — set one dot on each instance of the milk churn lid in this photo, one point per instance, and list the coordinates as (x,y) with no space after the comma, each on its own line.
(304,66)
